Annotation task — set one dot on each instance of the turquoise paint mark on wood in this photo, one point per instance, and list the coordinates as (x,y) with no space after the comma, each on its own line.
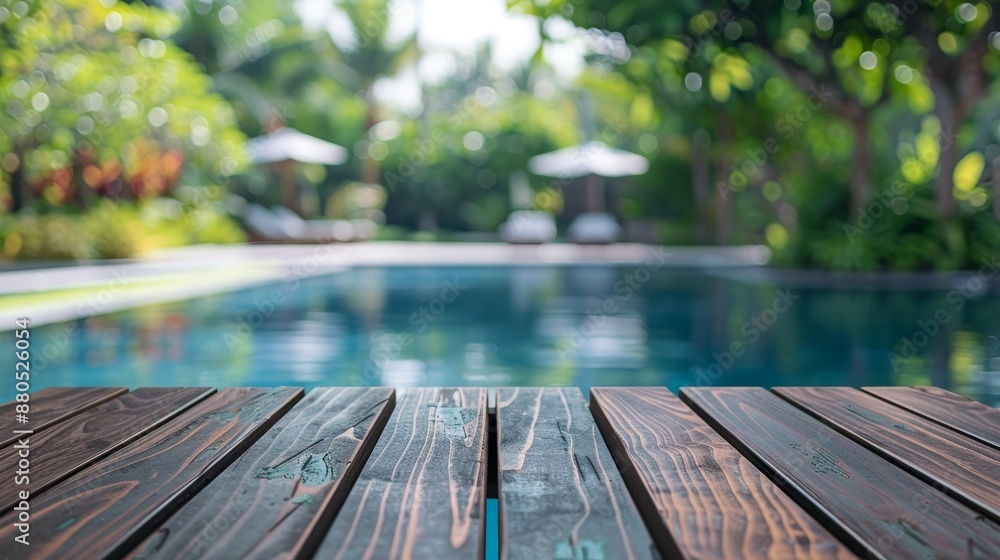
(303,499)
(313,469)
(453,419)
(584,550)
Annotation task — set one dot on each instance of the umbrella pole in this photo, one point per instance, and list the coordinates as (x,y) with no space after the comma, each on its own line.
(289,187)
(595,193)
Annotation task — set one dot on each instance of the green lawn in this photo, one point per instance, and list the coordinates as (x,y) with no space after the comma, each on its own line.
(151,285)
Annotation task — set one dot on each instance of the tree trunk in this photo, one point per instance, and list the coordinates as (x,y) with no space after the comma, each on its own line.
(370,167)
(944,183)
(861,171)
(723,159)
(82,193)
(699,183)
(18,185)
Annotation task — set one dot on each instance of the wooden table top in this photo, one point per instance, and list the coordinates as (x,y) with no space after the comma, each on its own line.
(375,472)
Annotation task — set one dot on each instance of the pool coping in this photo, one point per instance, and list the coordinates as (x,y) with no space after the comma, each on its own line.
(225,268)
(982,281)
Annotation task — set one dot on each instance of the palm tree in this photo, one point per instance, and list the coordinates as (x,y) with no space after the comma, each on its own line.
(367,56)
(265,81)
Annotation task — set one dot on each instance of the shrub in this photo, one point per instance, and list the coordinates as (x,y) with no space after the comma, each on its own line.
(115,231)
(210,225)
(51,237)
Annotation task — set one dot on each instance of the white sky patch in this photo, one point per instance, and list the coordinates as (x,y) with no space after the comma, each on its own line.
(313,13)
(401,92)
(339,27)
(560,29)
(436,67)
(450,31)
(515,41)
(458,24)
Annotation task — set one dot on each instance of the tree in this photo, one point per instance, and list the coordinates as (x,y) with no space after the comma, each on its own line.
(906,78)
(370,56)
(801,42)
(100,102)
(276,68)
(956,39)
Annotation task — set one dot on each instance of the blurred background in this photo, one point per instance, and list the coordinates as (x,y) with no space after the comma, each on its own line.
(845,135)
(321,192)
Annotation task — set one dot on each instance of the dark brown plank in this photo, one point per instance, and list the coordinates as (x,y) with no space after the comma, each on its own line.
(560,493)
(279,498)
(423,493)
(876,508)
(110,507)
(701,498)
(959,413)
(74,444)
(51,406)
(965,468)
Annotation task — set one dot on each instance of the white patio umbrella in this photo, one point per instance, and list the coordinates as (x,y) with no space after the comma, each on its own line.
(283,146)
(591,159)
(290,144)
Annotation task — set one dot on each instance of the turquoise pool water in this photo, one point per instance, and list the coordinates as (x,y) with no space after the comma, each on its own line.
(532,325)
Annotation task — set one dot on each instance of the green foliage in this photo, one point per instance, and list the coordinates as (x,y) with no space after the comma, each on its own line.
(486,214)
(857,94)
(902,242)
(127,99)
(201,215)
(115,231)
(211,226)
(50,237)
(96,94)
(356,200)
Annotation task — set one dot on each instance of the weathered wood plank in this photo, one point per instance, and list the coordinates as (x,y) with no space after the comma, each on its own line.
(560,493)
(51,406)
(422,494)
(965,468)
(876,508)
(959,413)
(278,499)
(701,498)
(72,445)
(110,507)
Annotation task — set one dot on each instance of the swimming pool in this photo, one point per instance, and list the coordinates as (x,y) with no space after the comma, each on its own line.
(531,325)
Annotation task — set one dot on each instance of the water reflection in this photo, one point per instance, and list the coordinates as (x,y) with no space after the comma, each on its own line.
(580,326)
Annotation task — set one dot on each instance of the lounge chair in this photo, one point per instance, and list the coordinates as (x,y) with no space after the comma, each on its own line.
(527,226)
(281,225)
(594,228)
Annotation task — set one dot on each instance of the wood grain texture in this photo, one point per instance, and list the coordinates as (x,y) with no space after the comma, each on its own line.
(110,507)
(701,498)
(51,406)
(278,499)
(965,468)
(422,494)
(878,509)
(70,446)
(966,416)
(560,493)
